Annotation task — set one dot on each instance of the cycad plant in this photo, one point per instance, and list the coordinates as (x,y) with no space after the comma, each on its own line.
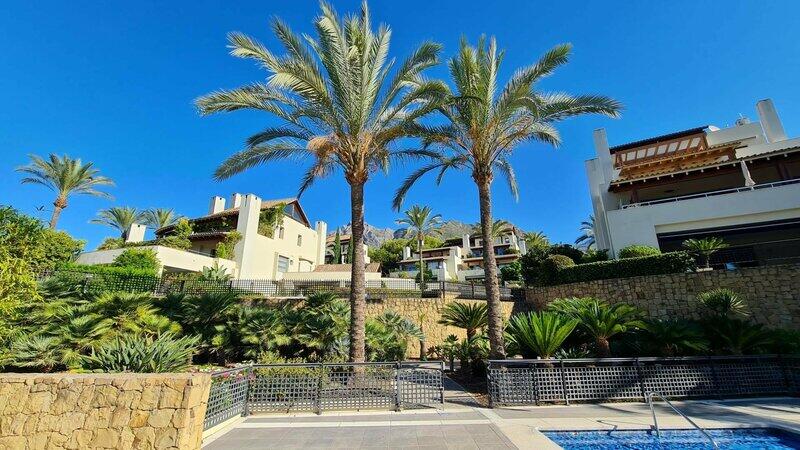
(723,303)
(704,248)
(485,123)
(343,104)
(419,221)
(156,218)
(586,239)
(119,217)
(675,338)
(601,321)
(539,334)
(471,317)
(65,176)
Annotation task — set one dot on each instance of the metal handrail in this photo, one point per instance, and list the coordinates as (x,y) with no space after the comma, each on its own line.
(755,187)
(650,396)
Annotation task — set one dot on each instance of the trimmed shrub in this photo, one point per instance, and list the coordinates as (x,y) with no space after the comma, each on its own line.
(138,258)
(552,266)
(673,262)
(637,251)
(575,254)
(594,256)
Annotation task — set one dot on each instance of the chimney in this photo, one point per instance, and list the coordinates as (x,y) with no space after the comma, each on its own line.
(465,244)
(135,233)
(322,236)
(603,153)
(217,205)
(236,201)
(406,252)
(770,122)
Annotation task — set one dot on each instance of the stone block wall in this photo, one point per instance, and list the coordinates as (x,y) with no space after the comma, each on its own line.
(772,293)
(98,411)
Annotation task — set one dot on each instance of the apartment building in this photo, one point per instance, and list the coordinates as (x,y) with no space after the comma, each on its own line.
(262,253)
(462,259)
(740,183)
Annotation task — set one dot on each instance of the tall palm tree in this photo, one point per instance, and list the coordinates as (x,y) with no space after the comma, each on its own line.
(536,239)
(420,223)
(65,176)
(343,104)
(156,218)
(485,126)
(119,217)
(586,239)
(498,227)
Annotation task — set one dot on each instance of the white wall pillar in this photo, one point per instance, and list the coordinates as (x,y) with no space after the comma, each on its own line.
(443,272)
(465,247)
(322,238)
(365,248)
(245,252)
(406,252)
(603,154)
(217,205)
(135,233)
(748,180)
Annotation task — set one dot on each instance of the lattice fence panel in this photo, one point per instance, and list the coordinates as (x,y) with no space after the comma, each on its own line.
(364,387)
(549,384)
(419,386)
(602,383)
(284,389)
(750,378)
(512,386)
(227,397)
(679,380)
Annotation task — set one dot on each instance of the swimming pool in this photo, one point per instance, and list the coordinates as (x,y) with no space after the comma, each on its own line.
(738,438)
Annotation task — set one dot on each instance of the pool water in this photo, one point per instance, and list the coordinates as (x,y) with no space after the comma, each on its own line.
(739,439)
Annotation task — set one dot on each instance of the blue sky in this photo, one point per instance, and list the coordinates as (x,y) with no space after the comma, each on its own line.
(113,83)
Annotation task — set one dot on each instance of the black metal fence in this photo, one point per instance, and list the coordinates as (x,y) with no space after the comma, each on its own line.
(323,387)
(97,283)
(531,382)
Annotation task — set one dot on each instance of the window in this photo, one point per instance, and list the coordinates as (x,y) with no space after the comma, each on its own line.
(299,240)
(280,233)
(283,264)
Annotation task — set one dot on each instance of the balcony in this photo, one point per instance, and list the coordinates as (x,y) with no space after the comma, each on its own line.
(756,187)
(172,260)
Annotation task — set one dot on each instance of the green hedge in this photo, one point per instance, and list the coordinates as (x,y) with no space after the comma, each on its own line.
(98,279)
(674,262)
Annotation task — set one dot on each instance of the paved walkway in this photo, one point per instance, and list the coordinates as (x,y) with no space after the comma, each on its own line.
(463,425)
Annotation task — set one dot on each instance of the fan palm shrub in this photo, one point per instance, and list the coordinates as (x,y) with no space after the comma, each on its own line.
(704,248)
(675,338)
(738,337)
(419,222)
(601,321)
(143,354)
(484,124)
(472,317)
(539,334)
(343,103)
(262,330)
(121,313)
(724,303)
(65,176)
(205,316)
(119,218)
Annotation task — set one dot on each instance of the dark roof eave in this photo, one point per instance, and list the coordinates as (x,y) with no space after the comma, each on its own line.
(656,139)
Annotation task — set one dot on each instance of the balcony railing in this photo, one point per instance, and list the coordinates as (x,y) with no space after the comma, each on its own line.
(714,193)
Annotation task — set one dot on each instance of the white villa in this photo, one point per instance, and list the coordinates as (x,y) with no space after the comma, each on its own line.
(740,183)
(462,259)
(294,247)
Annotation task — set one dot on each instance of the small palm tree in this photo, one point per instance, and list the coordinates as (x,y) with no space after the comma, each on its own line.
(586,239)
(602,321)
(65,176)
(539,334)
(723,303)
(420,223)
(499,227)
(156,218)
(343,104)
(675,338)
(118,217)
(704,248)
(471,317)
(536,239)
(484,125)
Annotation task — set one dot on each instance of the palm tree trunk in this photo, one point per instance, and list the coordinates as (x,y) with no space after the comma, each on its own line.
(58,205)
(421,269)
(494,308)
(357,284)
(603,347)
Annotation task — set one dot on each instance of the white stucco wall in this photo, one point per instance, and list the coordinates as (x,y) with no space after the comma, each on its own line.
(264,251)
(170,258)
(640,225)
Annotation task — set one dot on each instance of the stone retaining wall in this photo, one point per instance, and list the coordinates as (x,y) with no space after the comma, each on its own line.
(95,411)
(772,293)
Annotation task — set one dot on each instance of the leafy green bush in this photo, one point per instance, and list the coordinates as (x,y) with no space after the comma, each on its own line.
(511,272)
(225,247)
(637,251)
(674,262)
(592,255)
(138,258)
(575,254)
(552,266)
(135,353)
(58,248)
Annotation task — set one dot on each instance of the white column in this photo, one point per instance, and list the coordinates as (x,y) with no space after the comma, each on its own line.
(247,225)
(322,238)
(443,271)
(770,122)
(748,180)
